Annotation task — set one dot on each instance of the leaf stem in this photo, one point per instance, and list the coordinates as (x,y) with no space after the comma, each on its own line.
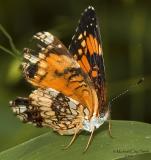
(8,51)
(14,49)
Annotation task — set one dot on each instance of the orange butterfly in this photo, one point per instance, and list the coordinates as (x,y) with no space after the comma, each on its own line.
(71,94)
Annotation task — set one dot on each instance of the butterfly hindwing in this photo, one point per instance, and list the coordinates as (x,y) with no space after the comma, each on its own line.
(48,108)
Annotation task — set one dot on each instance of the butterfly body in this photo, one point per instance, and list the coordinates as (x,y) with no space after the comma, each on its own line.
(94,122)
(71,93)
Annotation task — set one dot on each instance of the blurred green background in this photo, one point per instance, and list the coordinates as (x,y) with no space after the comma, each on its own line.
(126,34)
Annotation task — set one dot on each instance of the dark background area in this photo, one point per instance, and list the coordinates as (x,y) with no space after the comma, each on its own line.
(126,33)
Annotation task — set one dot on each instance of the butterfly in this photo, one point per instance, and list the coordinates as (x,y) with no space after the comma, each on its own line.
(70,93)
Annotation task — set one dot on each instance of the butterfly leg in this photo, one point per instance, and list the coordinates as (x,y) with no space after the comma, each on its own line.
(109,121)
(73,138)
(109,129)
(89,141)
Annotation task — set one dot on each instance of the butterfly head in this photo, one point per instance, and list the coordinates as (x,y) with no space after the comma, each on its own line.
(95,122)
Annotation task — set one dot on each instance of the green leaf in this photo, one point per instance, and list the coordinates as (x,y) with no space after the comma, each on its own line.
(131,140)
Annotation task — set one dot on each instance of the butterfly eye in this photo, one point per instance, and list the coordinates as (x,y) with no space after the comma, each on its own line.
(102,115)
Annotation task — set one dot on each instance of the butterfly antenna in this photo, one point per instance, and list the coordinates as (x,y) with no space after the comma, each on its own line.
(126,90)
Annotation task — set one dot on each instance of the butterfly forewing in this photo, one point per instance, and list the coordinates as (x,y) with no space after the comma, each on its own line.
(54,67)
(86,48)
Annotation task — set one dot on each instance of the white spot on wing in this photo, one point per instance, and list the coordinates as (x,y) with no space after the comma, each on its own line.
(59,46)
(52,92)
(76,29)
(42,56)
(86,111)
(49,37)
(90,7)
(45,37)
(73,37)
(22,108)
(86,10)
(31,58)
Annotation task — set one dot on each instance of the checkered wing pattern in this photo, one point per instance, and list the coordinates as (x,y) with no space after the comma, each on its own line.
(49,108)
